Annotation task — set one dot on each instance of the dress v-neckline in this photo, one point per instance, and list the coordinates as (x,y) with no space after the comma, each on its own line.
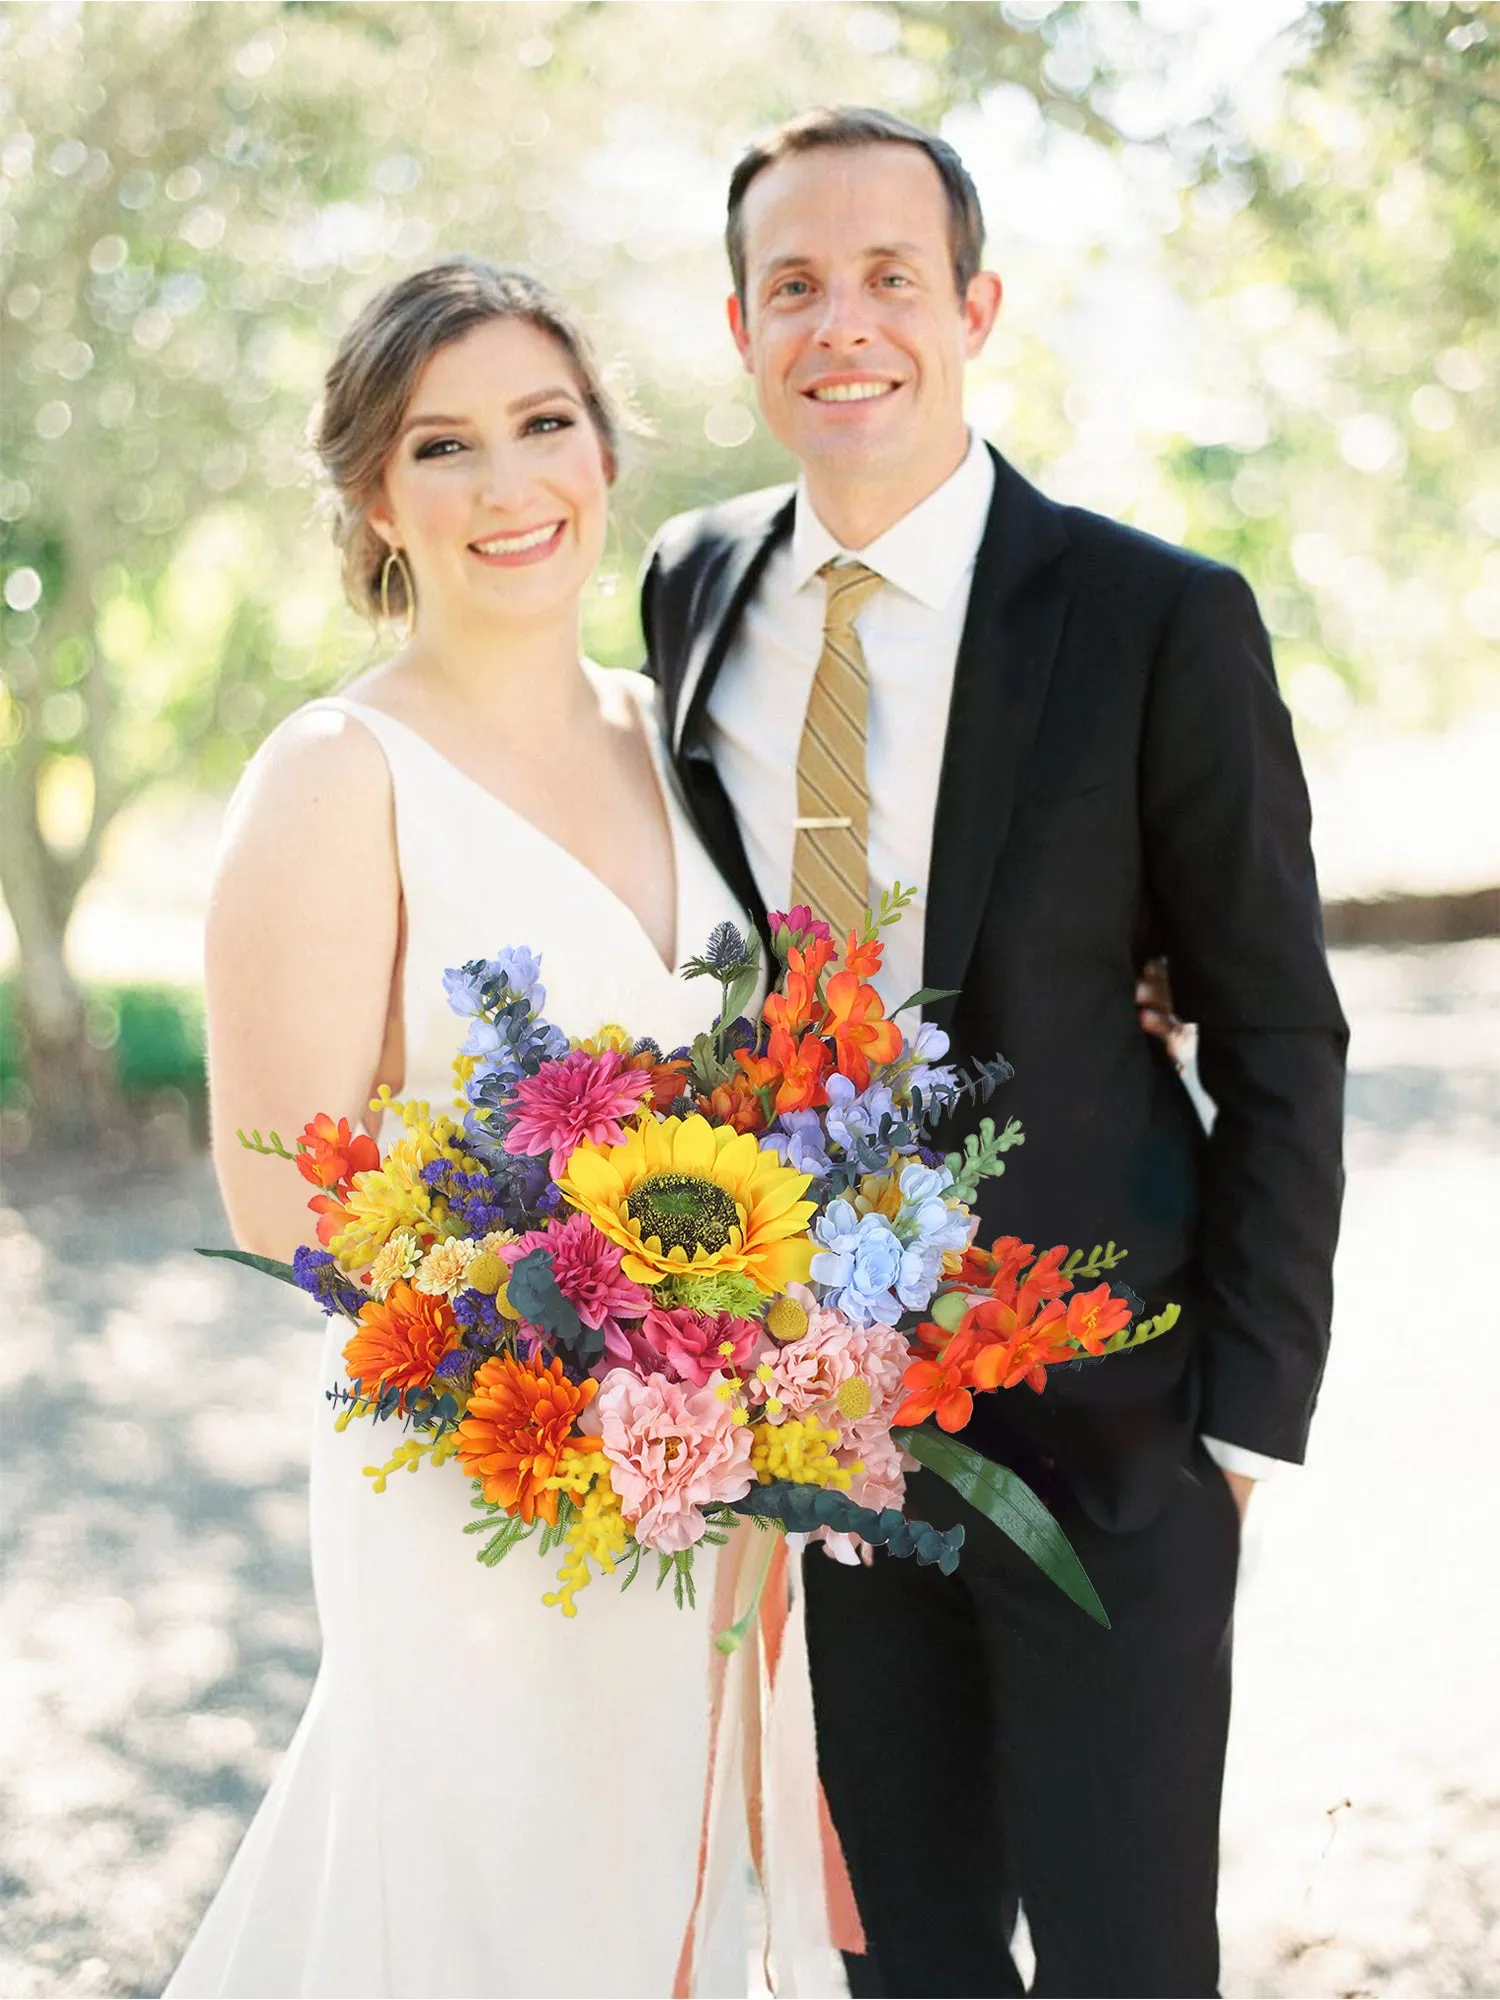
(548,840)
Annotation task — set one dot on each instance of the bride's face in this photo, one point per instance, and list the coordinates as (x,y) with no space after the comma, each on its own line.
(497,489)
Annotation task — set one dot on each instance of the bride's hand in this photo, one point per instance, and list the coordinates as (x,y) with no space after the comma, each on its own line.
(1153,1002)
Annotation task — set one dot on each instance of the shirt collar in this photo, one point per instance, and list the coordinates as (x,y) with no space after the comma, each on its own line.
(928,552)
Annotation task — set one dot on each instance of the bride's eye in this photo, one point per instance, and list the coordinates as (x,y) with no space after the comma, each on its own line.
(438,447)
(545,421)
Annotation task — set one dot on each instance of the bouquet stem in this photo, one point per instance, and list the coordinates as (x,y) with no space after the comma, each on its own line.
(732,1637)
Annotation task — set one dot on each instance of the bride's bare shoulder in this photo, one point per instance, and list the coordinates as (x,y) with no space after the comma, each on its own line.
(320,771)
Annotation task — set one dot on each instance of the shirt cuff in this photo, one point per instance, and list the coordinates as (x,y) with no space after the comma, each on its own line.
(1236,1458)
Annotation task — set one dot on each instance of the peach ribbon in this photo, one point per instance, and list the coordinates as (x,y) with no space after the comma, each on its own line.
(777,1758)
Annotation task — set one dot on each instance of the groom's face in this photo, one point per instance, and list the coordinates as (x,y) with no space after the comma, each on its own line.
(852,322)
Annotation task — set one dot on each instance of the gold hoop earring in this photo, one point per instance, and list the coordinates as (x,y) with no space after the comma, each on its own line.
(396,558)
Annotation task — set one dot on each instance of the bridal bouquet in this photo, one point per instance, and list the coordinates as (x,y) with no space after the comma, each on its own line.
(636,1294)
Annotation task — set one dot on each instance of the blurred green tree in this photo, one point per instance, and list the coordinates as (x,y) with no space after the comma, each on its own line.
(192,200)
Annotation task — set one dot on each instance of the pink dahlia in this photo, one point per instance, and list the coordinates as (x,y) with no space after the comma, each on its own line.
(578,1097)
(673,1450)
(586,1266)
(692,1344)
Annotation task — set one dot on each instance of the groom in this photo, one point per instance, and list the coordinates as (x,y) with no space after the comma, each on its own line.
(914,666)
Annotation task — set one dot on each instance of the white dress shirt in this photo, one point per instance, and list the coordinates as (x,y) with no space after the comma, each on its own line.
(910,632)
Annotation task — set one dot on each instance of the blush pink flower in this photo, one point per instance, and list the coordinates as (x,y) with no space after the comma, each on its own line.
(692,1343)
(673,1450)
(586,1266)
(578,1097)
(809,1371)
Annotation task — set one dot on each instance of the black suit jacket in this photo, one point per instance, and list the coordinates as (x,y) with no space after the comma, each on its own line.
(1119,778)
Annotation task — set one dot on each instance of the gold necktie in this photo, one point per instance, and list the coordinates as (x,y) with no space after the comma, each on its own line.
(830,858)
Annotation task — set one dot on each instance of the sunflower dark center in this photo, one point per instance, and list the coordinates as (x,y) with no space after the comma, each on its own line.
(685,1211)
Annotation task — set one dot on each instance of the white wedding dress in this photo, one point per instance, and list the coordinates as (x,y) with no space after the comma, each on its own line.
(483,1797)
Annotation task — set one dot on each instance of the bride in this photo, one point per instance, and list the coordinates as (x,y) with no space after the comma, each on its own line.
(482,1798)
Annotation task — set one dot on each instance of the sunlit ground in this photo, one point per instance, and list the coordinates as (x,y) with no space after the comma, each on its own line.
(160,1640)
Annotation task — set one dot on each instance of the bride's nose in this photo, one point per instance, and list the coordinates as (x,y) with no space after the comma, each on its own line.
(505,481)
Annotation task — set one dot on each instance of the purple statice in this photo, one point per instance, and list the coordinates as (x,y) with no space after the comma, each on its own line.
(479,1317)
(317,1272)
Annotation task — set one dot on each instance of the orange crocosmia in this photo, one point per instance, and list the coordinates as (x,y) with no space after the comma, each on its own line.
(862,955)
(401,1340)
(861,1033)
(804,1064)
(935,1388)
(1095,1317)
(518,1429)
(1010,1350)
(735,1103)
(329,1154)
(760,1072)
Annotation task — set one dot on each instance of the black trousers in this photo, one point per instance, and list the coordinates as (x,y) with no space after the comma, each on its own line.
(983,1743)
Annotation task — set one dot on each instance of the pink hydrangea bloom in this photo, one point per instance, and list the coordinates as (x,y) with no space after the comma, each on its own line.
(690,1342)
(578,1097)
(673,1450)
(586,1266)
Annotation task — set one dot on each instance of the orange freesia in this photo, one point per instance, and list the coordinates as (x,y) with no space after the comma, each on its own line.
(735,1103)
(401,1340)
(859,1028)
(862,955)
(518,1430)
(1095,1317)
(668,1079)
(812,959)
(761,1073)
(329,1154)
(935,1387)
(804,1063)
(798,1008)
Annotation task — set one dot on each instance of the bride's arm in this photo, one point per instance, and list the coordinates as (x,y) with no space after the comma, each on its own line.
(303,926)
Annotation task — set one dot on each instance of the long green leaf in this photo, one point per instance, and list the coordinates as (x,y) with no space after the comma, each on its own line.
(272,1266)
(924,997)
(1003,1497)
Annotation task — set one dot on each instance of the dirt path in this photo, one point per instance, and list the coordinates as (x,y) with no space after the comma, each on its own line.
(159,1640)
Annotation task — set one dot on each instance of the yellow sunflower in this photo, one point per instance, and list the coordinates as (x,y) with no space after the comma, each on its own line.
(683,1198)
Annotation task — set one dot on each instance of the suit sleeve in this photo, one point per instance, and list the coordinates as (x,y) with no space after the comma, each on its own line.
(650,583)
(1230,872)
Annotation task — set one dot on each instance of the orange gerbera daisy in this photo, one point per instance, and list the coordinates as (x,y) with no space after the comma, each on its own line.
(518,1430)
(401,1340)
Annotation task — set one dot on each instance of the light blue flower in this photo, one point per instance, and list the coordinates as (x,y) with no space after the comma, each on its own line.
(799,1143)
(486,983)
(925,1050)
(854,1117)
(859,1264)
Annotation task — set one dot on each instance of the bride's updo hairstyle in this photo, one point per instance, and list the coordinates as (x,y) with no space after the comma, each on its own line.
(369,387)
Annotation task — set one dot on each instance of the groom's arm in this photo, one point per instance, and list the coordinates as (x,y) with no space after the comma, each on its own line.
(1226,827)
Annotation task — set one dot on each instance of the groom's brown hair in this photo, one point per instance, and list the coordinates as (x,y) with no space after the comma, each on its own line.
(850,125)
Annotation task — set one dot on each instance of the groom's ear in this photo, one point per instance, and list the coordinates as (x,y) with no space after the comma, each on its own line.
(981,306)
(738,330)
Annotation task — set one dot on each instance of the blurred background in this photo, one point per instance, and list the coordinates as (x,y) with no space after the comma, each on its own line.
(1250,257)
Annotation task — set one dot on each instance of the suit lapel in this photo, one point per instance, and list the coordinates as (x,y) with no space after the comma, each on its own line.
(1010,637)
(719,599)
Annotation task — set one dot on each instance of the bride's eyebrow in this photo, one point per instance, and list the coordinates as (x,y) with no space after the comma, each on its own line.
(539,396)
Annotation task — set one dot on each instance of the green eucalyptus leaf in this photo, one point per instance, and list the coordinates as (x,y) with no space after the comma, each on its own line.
(1004,1498)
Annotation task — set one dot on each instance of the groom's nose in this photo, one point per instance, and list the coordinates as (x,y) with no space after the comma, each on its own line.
(845,320)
